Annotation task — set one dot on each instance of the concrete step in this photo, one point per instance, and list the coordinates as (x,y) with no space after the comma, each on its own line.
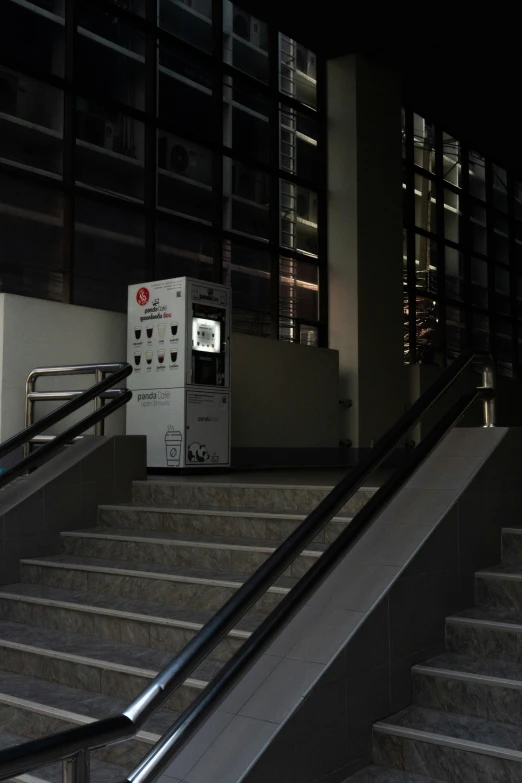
(499,587)
(119,670)
(128,620)
(100,772)
(34,708)
(223,495)
(190,551)
(191,588)
(470,685)
(449,747)
(512,546)
(274,526)
(488,633)
(381,775)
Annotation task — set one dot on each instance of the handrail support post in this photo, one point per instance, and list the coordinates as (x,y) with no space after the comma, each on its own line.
(76,769)
(489,382)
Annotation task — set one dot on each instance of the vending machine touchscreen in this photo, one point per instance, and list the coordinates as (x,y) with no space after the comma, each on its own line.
(208,347)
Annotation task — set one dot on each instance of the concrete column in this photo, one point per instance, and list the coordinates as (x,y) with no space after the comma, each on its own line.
(365,244)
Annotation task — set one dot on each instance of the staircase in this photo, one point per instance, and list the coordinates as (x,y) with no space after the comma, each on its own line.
(465,723)
(86,630)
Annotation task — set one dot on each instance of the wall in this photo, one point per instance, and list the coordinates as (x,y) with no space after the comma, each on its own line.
(285,404)
(39,333)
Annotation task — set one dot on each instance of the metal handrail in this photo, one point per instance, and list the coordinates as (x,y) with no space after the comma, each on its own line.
(100,371)
(119,397)
(73,746)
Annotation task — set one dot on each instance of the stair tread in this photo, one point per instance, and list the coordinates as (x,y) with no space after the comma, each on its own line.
(457,727)
(101,771)
(467,664)
(384,775)
(214,512)
(503,569)
(99,650)
(152,610)
(83,704)
(497,615)
(285,582)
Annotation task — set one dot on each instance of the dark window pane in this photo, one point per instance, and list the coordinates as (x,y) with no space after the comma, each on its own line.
(184,177)
(183,252)
(499,181)
(31,227)
(297,71)
(503,347)
(426,264)
(245,120)
(309,335)
(53,6)
(110,57)
(456,339)
(502,303)
(452,216)
(245,41)
(500,239)
(185,94)
(109,150)
(134,6)
(298,290)
(109,254)
(517,192)
(31,122)
(425,203)
(478,229)
(423,143)
(477,176)
(427,330)
(298,144)
(479,282)
(451,160)
(33,37)
(480,332)
(454,265)
(404,135)
(245,199)
(247,271)
(298,226)
(190,20)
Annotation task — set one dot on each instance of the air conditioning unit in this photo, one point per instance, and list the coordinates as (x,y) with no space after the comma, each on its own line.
(249,28)
(250,185)
(306,62)
(203,7)
(306,205)
(182,158)
(98,130)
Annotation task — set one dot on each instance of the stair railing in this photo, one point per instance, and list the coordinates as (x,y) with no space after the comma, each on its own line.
(73,746)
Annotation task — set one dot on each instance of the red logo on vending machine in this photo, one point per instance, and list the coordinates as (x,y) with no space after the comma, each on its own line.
(143,296)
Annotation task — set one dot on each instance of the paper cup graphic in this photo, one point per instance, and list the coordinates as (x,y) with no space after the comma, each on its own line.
(137,332)
(150,332)
(173,357)
(161,356)
(137,359)
(173,447)
(148,356)
(173,328)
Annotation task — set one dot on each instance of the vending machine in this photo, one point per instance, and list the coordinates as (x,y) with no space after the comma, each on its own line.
(178,341)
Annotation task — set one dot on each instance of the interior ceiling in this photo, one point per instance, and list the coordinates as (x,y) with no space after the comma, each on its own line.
(464,82)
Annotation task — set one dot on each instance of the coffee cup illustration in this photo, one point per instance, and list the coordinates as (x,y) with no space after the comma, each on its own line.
(173,328)
(173,448)
(137,332)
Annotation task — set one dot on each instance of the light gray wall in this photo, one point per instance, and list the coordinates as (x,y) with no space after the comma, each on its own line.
(364,240)
(284,395)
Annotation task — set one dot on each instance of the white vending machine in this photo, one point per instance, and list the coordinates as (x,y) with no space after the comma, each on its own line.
(178,339)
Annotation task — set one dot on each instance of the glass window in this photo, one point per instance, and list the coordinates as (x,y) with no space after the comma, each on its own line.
(109,254)
(479,282)
(503,347)
(309,335)
(452,215)
(426,263)
(425,203)
(31,122)
(454,265)
(297,71)
(245,41)
(517,193)
(31,227)
(185,94)
(298,143)
(246,126)
(499,181)
(33,36)
(245,199)
(190,20)
(183,251)
(451,160)
(481,332)
(500,239)
(247,271)
(478,229)
(298,289)
(423,143)
(477,176)
(404,136)
(109,150)
(110,57)
(133,6)
(53,6)
(426,330)
(184,177)
(502,302)
(456,337)
(299,214)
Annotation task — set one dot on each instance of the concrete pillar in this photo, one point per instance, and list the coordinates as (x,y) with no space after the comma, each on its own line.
(365,244)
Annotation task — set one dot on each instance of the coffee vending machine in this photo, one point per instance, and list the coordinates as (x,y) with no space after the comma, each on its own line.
(178,342)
